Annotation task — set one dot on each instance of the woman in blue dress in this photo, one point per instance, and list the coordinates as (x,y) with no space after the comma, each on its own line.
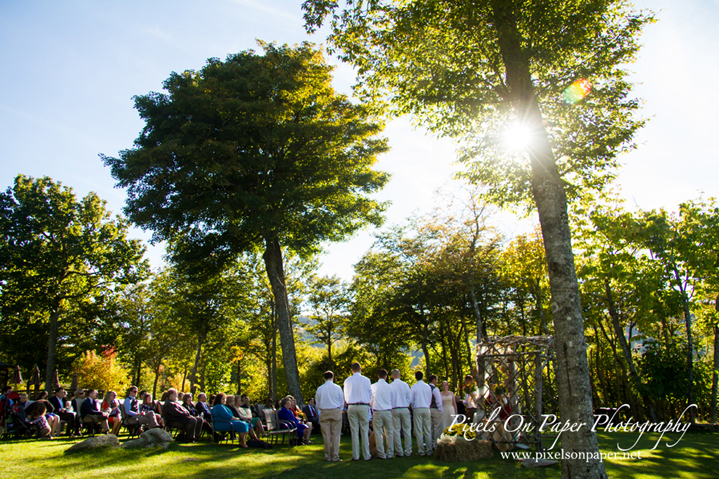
(224,421)
(284,414)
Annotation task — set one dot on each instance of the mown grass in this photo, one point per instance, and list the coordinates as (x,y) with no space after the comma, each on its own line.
(695,457)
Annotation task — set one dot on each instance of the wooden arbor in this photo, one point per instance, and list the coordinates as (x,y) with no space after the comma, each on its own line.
(516,386)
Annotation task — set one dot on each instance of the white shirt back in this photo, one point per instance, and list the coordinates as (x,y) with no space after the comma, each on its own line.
(329,396)
(421,394)
(358,389)
(401,396)
(381,396)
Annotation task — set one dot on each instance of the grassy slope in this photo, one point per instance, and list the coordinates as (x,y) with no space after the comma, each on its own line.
(695,457)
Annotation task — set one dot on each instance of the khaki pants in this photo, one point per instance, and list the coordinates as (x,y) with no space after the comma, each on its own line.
(358,416)
(383,433)
(148,419)
(423,430)
(331,425)
(401,422)
(437,424)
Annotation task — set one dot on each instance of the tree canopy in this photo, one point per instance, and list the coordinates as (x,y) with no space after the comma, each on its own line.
(477,71)
(257,151)
(61,258)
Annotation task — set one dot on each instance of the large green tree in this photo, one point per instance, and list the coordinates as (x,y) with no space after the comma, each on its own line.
(60,257)
(468,70)
(258,151)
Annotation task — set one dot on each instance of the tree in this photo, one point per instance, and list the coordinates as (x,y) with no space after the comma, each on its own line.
(255,152)
(470,69)
(102,372)
(60,255)
(329,299)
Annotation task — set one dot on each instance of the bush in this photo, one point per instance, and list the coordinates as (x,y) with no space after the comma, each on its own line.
(102,372)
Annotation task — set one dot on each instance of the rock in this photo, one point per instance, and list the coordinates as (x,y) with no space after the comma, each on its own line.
(157,436)
(105,440)
(136,444)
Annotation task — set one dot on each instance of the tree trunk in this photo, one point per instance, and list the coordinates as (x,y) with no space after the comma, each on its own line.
(633,375)
(542,315)
(193,375)
(425,345)
(138,371)
(276,275)
(600,372)
(51,348)
(239,377)
(157,377)
(715,376)
(690,343)
(274,355)
(572,366)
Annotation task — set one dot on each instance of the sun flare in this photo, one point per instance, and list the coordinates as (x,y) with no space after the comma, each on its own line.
(517,136)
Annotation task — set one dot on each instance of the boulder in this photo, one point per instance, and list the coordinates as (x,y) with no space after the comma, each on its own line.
(105,440)
(136,444)
(157,436)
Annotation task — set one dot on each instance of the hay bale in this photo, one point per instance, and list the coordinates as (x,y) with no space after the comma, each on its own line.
(458,449)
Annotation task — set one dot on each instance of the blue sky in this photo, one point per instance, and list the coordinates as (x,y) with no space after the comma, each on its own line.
(70,70)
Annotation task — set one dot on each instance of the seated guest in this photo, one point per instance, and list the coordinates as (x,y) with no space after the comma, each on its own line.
(38,418)
(311,414)
(203,408)
(133,413)
(77,400)
(242,404)
(61,408)
(293,406)
(224,421)
(149,406)
(111,406)
(267,405)
(211,400)
(174,415)
(187,404)
(52,418)
(91,409)
(22,406)
(230,404)
(285,414)
(299,414)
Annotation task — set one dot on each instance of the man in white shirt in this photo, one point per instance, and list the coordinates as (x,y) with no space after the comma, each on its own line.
(435,409)
(358,393)
(382,415)
(401,398)
(330,400)
(421,400)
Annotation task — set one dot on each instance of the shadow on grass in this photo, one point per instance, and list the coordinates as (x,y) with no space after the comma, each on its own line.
(694,457)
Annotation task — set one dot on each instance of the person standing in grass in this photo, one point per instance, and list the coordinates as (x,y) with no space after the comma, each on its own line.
(421,400)
(358,393)
(436,408)
(382,416)
(401,423)
(330,402)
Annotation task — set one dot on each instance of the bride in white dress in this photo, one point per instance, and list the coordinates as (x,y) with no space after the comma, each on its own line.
(449,406)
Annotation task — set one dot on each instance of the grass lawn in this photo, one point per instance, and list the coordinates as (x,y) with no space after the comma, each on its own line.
(695,457)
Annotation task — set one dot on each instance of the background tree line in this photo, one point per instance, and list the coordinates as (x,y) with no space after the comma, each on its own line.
(421,296)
